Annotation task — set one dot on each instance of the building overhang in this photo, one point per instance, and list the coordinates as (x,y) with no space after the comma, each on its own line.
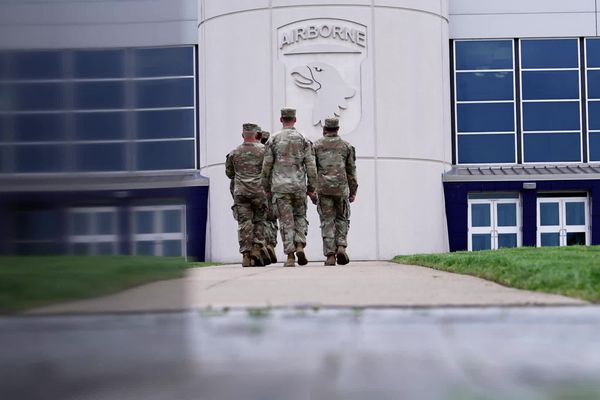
(523,173)
(100,181)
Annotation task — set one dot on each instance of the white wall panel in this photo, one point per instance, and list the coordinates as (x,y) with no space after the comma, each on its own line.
(520,6)
(410,94)
(522,25)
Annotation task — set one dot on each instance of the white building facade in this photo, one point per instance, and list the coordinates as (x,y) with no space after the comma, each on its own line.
(475,123)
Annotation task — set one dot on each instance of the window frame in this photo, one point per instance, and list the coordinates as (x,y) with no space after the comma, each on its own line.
(456,102)
(562,228)
(158,236)
(494,230)
(523,101)
(93,239)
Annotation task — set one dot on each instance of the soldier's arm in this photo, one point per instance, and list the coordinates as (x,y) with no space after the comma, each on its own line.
(229,169)
(351,171)
(267,167)
(311,167)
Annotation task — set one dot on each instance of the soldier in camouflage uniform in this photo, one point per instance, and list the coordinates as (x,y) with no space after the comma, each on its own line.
(336,176)
(289,164)
(271,220)
(243,165)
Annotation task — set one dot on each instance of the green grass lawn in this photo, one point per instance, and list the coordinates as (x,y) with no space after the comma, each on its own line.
(571,271)
(27,282)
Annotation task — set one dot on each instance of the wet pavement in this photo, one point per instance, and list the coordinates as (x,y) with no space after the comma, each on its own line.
(305,353)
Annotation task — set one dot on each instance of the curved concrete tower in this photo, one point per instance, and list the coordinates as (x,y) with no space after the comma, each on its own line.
(382,66)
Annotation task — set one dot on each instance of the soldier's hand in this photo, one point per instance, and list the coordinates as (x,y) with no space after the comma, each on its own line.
(351,198)
(313,197)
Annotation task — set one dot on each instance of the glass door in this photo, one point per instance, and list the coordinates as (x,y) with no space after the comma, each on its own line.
(562,221)
(494,224)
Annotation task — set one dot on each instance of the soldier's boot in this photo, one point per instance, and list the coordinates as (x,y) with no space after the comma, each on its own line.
(246,261)
(342,256)
(291,261)
(264,254)
(256,258)
(272,254)
(330,260)
(300,254)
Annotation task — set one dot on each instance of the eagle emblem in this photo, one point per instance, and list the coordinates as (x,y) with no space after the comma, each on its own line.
(331,90)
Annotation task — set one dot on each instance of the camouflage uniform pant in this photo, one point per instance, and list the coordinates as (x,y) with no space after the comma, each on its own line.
(250,212)
(271,227)
(290,209)
(334,212)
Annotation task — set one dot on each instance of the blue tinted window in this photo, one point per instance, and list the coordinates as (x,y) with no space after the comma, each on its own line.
(594,146)
(475,149)
(550,85)
(594,115)
(39,127)
(100,126)
(165,124)
(101,157)
(40,158)
(486,117)
(164,93)
(105,223)
(144,222)
(171,248)
(99,63)
(593,52)
(172,221)
(481,241)
(480,215)
(472,86)
(145,248)
(507,240)
(174,61)
(99,95)
(575,213)
(166,155)
(484,54)
(552,116)
(555,53)
(81,224)
(549,214)
(575,238)
(507,214)
(37,65)
(39,96)
(593,84)
(552,147)
(550,239)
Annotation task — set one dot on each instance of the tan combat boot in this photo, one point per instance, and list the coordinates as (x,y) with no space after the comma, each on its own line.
(300,254)
(246,262)
(256,258)
(342,256)
(330,260)
(291,261)
(272,254)
(264,254)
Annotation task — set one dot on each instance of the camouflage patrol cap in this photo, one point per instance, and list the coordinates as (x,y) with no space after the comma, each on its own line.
(332,123)
(288,113)
(248,127)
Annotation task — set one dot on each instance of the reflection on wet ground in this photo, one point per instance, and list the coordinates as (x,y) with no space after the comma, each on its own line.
(311,353)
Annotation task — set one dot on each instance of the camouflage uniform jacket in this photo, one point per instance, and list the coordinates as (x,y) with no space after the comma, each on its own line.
(336,166)
(243,165)
(289,163)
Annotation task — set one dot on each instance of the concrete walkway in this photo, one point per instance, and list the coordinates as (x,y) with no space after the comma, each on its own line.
(359,284)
